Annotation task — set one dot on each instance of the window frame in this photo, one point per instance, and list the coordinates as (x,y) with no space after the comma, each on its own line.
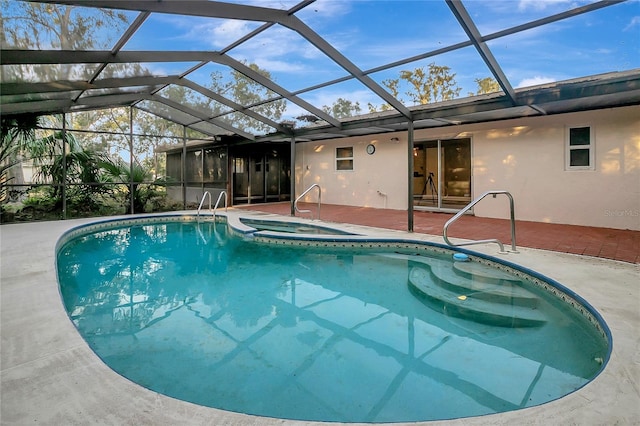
(569,148)
(338,159)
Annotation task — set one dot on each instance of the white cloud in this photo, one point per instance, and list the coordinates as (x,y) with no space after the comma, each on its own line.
(225,33)
(201,33)
(272,4)
(323,9)
(276,44)
(635,21)
(278,66)
(280,50)
(534,81)
(540,4)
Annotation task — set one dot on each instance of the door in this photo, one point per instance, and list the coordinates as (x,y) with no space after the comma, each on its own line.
(248,179)
(276,172)
(442,174)
(256,179)
(240,180)
(261,176)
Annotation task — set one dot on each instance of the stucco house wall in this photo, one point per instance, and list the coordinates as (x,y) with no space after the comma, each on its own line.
(525,157)
(377,180)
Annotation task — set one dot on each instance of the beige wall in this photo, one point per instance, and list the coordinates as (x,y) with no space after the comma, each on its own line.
(377,180)
(525,157)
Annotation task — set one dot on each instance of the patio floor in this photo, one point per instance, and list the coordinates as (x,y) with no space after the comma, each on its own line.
(606,243)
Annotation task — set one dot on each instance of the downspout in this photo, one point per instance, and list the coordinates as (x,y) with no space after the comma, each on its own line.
(410,175)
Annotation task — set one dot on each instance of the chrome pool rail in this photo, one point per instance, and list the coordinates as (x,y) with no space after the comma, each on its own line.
(218,202)
(295,204)
(204,197)
(468,207)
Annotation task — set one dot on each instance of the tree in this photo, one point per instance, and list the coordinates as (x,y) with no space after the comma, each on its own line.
(57,158)
(486,85)
(40,26)
(20,142)
(342,108)
(245,91)
(392,85)
(130,179)
(30,25)
(49,26)
(17,132)
(79,169)
(435,84)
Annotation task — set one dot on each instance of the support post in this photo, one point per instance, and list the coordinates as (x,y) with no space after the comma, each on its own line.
(131,184)
(183,167)
(410,176)
(63,189)
(293,175)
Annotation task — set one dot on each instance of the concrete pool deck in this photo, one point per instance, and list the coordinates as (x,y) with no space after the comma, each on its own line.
(49,375)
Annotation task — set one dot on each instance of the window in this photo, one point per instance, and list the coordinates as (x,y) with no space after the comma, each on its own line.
(579,149)
(344,158)
(194,166)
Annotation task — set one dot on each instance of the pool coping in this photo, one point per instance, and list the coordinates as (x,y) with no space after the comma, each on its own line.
(49,374)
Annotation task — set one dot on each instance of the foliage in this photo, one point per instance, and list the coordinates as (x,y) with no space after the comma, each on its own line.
(247,92)
(342,108)
(434,85)
(47,26)
(94,183)
(16,132)
(20,142)
(83,176)
(486,85)
(37,205)
(40,26)
(31,25)
(132,181)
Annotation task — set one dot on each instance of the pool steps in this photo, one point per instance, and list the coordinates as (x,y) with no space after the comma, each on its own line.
(473,291)
(505,290)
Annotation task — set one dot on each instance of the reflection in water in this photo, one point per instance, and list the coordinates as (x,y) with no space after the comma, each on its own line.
(190,312)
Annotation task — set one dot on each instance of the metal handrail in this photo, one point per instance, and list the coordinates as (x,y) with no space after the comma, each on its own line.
(218,202)
(204,196)
(468,207)
(295,204)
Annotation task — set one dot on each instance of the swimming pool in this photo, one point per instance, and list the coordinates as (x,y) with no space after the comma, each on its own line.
(398,350)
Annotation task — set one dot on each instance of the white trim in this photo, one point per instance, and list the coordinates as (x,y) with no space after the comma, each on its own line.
(336,159)
(568,148)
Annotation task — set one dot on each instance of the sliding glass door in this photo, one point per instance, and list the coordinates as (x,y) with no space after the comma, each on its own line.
(442,174)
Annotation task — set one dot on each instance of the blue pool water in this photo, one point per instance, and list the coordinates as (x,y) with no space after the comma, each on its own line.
(330,334)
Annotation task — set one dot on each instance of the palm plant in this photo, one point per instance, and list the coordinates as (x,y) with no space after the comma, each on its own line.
(17,133)
(80,173)
(131,178)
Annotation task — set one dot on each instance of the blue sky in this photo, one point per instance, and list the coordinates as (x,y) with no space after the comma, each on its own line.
(373,33)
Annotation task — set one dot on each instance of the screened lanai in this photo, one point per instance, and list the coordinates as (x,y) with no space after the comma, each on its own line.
(95,95)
